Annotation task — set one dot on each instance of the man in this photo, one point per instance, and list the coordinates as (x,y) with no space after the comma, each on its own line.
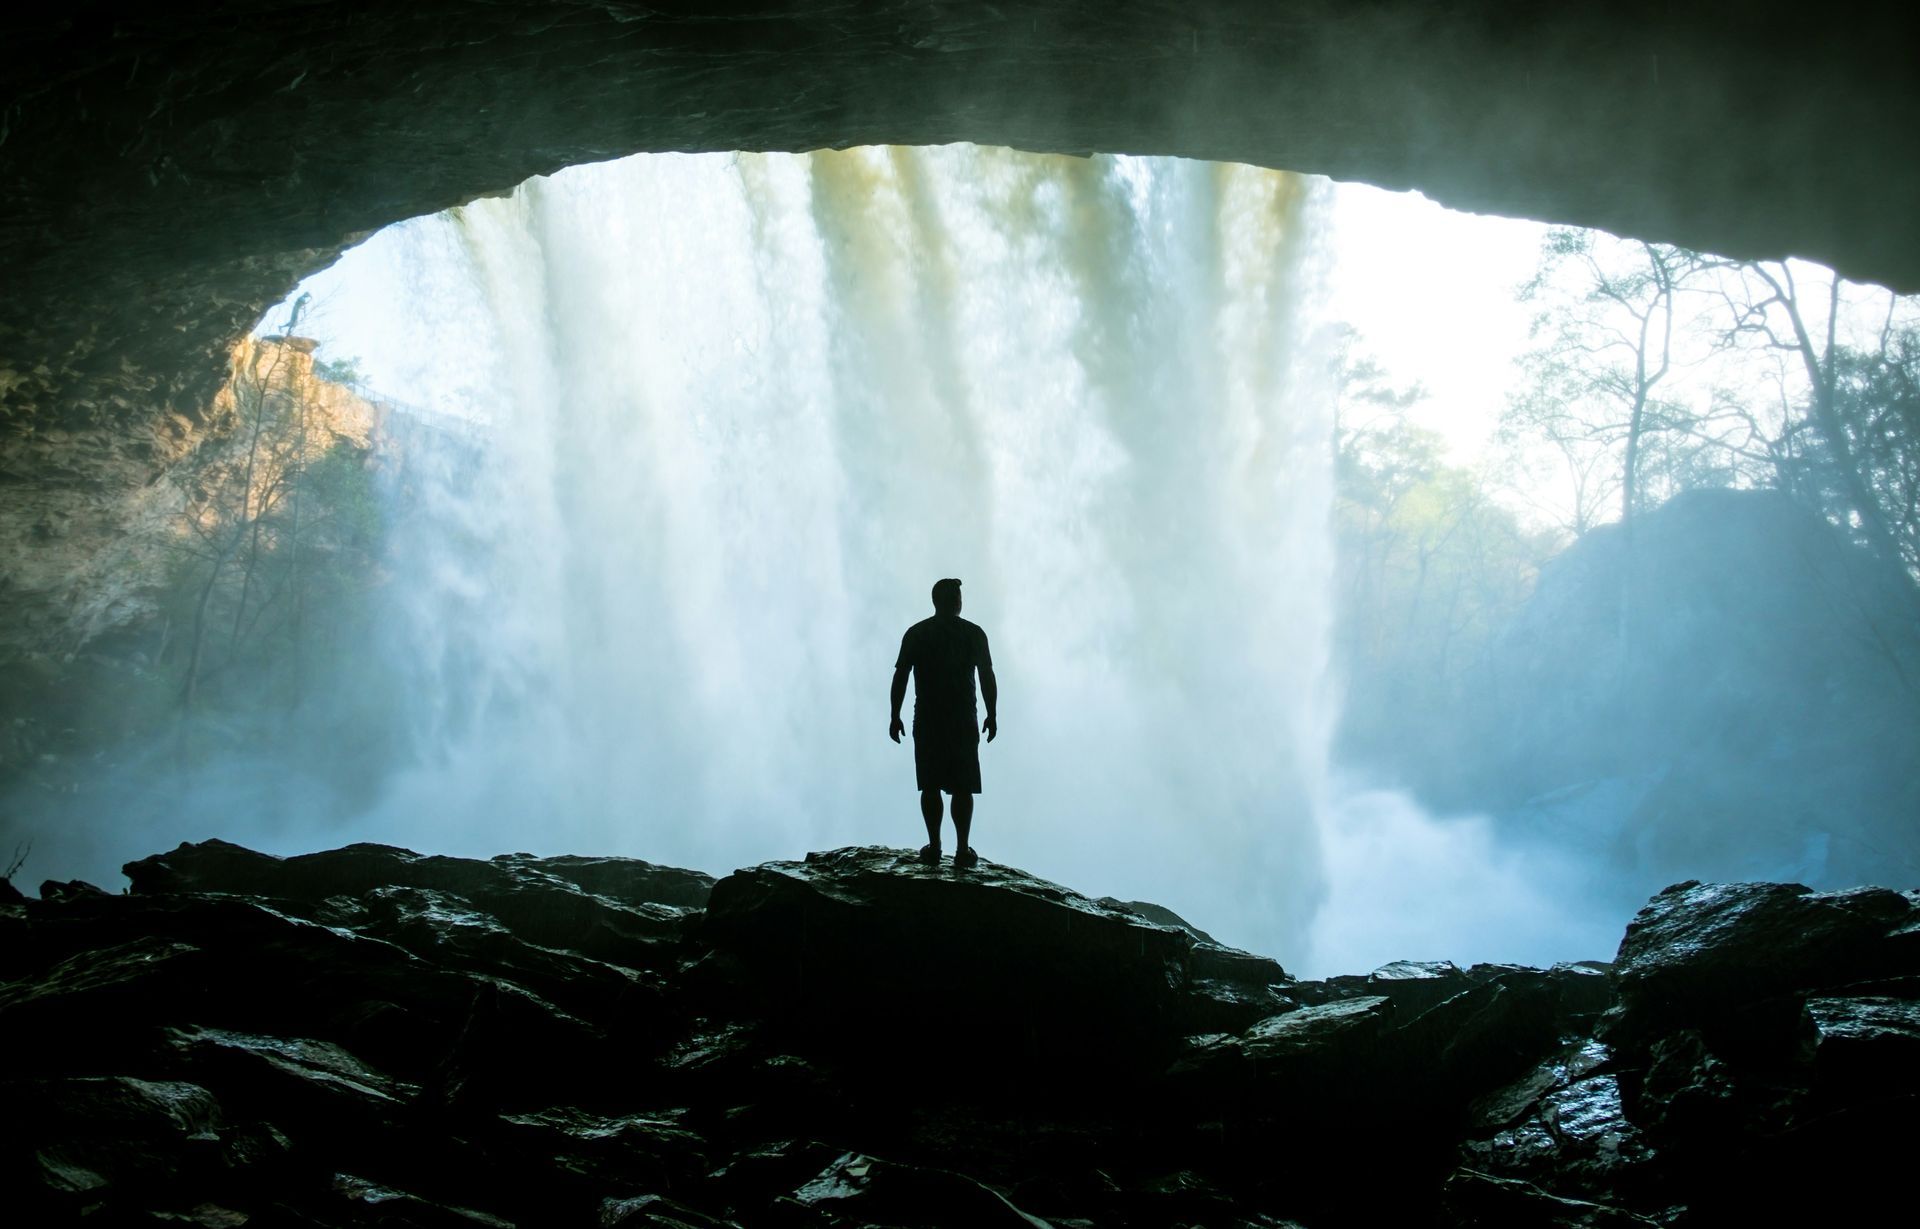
(941,654)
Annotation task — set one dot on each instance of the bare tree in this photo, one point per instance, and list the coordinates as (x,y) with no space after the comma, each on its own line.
(1606,341)
(251,519)
(1767,305)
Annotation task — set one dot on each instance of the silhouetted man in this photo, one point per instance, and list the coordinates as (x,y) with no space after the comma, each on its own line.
(942,653)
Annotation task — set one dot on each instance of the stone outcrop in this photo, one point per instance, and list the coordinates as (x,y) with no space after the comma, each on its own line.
(93,518)
(106,537)
(366,1036)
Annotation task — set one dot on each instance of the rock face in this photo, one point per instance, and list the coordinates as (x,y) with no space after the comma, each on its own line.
(986,956)
(94,516)
(366,1036)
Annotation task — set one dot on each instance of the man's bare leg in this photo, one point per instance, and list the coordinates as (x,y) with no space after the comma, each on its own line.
(930,811)
(962,822)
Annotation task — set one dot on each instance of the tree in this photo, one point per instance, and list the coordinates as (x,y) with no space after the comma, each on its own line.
(1608,337)
(1432,567)
(1847,452)
(271,501)
(1876,409)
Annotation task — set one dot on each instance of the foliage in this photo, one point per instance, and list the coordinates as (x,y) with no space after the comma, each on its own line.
(344,372)
(1656,370)
(1432,567)
(1877,400)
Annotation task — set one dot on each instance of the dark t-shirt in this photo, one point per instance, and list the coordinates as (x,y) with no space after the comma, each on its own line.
(943,652)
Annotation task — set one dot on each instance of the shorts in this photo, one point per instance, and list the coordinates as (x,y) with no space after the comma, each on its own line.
(946,755)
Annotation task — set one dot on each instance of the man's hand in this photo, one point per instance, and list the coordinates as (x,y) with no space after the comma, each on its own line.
(895,729)
(990,727)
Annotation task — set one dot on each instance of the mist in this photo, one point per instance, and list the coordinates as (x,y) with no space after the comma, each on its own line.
(672,449)
(737,414)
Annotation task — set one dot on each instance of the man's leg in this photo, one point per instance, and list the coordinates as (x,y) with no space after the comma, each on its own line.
(962,820)
(930,811)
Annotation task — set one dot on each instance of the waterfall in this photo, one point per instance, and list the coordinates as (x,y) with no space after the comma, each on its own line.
(721,420)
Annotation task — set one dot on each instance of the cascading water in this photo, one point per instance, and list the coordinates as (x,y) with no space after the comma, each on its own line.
(718,423)
(696,434)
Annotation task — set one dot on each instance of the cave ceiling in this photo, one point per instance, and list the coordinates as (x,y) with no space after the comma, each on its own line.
(167,172)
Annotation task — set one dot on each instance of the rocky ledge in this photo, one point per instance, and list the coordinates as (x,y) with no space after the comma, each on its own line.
(371,1037)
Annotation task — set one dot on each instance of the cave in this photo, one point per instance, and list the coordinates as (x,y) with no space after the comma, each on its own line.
(367,1035)
(169,175)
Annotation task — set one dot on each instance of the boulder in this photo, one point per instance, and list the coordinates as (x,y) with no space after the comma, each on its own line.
(72,889)
(1316,1037)
(1706,955)
(630,910)
(1575,1141)
(858,1040)
(655,1212)
(863,1190)
(869,950)
(82,1146)
(359,1201)
(1485,1201)
(219,866)
(1865,1048)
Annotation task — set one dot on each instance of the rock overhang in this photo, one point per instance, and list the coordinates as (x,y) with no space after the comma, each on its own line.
(166,177)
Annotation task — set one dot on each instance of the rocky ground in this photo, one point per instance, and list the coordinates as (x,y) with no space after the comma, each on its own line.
(371,1037)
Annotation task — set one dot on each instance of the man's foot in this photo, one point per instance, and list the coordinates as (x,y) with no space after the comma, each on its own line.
(965,857)
(930,854)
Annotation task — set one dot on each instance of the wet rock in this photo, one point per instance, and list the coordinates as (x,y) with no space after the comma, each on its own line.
(655,1212)
(1159,915)
(217,866)
(447,931)
(857,1040)
(1415,985)
(864,1191)
(582,1156)
(95,1005)
(363,1202)
(1217,1004)
(1485,1201)
(1688,1091)
(1504,1106)
(753,1180)
(1865,1048)
(1700,955)
(1325,1050)
(627,880)
(1576,1141)
(1320,1034)
(72,889)
(104,1144)
(1483,1036)
(864,947)
(1586,987)
(540,905)
(297,1083)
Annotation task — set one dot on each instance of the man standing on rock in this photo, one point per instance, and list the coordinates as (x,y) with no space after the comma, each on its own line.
(941,654)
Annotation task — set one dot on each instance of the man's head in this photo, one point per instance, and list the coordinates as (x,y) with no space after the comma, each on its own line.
(946,596)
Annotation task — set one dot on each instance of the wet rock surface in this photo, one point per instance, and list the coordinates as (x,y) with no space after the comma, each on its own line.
(369,1037)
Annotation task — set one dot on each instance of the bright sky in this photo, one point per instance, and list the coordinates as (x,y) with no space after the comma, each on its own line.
(1432,293)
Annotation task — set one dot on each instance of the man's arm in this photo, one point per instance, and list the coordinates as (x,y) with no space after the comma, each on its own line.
(990,692)
(894,728)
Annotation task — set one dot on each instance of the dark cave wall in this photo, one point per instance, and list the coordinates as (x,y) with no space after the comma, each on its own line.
(166,175)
